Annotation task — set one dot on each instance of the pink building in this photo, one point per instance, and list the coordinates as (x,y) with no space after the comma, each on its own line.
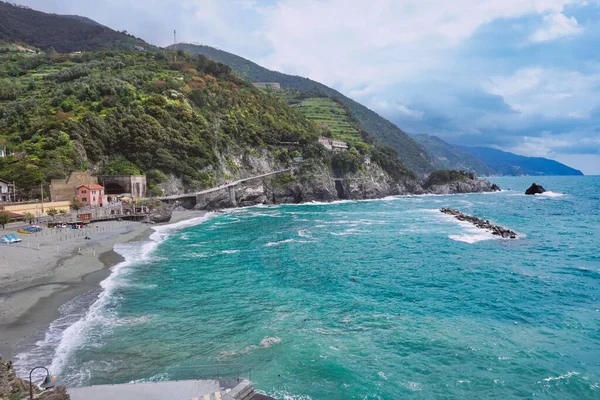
(90,195)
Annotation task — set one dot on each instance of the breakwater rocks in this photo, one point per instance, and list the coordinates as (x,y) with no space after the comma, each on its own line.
(482,224)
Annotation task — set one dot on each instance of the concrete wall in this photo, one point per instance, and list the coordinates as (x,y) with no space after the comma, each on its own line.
(36,208)
(66,189)
(133,184)
(268,85)
(4,194)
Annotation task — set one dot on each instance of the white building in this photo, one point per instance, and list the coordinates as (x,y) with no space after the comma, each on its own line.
(331,144)
(4,192)
(2,152)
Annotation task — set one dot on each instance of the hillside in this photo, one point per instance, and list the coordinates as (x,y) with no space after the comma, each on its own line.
(504,163)
(447,156)
(192,122)
(411,154)
(66,34)
(134,112)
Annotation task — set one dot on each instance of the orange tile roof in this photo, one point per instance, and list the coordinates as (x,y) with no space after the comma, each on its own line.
(92,187)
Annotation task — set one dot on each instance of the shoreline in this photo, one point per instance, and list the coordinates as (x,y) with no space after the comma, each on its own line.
(29,304)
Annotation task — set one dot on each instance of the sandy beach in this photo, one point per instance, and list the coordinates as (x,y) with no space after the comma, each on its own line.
(52,267)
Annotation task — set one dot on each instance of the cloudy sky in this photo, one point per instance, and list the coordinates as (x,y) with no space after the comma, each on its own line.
(519,75)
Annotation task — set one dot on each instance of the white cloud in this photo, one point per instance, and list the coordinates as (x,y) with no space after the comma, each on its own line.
(549,92)
(351,43)
(556,25)
(395,107)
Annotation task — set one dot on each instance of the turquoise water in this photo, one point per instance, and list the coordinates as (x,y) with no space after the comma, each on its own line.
(436,309)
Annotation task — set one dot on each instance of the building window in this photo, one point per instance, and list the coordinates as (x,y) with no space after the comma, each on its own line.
(84,191)
(84,200)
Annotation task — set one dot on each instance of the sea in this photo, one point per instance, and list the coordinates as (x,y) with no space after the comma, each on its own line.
(378,299)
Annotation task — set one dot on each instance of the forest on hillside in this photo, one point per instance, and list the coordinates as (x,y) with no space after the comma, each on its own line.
(158,113)
(411,154)
(63,33)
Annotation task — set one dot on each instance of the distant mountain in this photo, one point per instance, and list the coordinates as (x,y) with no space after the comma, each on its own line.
(447,156)
(411,153)
(65,33)
(504,163)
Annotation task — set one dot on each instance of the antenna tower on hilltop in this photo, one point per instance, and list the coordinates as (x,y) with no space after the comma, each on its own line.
(174,37)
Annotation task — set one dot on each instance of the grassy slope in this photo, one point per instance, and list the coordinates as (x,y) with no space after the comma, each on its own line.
(411,153)
(65,33)
(329,114)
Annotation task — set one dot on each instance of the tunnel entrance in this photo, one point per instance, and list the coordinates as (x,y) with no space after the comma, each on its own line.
(113,188)
(339,187)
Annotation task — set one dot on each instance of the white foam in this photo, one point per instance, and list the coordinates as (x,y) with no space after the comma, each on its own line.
(230,251)
(348,232)
(270,341)
(71,331)
(304,233)
(414,386)
(550,194)
(471,234)
(280,242)
(286,396)
(565,376)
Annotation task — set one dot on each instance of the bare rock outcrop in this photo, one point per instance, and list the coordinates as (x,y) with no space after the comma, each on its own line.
(535,189)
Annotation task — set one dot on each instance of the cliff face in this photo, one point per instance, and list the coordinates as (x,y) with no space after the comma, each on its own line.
(470,186)
(318,184)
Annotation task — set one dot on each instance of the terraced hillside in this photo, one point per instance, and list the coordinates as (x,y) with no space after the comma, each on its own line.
(411,153)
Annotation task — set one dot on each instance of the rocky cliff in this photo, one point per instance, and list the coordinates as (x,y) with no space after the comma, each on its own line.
(15,388)
(317,183)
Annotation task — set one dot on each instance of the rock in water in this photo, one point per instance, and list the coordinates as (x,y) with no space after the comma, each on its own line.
(535,189)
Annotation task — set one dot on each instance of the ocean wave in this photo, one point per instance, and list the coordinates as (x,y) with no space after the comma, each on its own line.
(560,377)
(73,330)
(550,194)
(284,395)
(280,242)
(270,341)
(414,386)
(230,251)
(304,233)
(349,232)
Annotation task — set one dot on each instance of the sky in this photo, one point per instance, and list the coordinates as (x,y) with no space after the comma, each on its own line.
(518,75)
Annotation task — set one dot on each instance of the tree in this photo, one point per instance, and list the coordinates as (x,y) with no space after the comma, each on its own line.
(5,217)
(75,205)
(52,212)
(29,217)
(51,52)
(62,211)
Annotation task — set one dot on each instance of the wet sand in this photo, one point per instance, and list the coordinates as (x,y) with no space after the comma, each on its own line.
(35,283)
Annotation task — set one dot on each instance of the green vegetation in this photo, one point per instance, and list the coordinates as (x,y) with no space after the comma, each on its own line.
(29,217)
(330,115)
(5,217)
(53,212)
(444,176)
(447,156)
(64,33)
(130,113)
(75,205)
(411,154)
